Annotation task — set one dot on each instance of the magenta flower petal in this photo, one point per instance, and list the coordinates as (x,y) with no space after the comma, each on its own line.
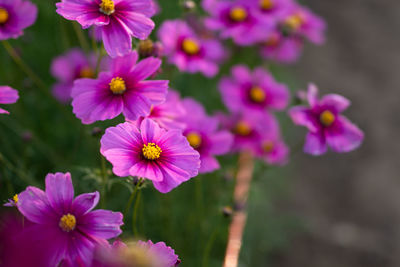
(146,67)
(117,41)
(208,164)
(102,223)
(315,144)
(150,131)
(33,204)
(8,95)
(84,203)
(150,170)
(344,136)
(302,116)
(165,256)
(59,191)
(336,102)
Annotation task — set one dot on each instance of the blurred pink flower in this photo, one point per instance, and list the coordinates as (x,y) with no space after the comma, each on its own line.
(8,95)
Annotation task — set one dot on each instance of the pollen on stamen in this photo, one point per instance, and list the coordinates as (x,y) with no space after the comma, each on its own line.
(257,94)
(266,4)
(295,22)
(151,151)
(67,222)
(117,86)
(238,14)
(107,7)
(4,16)
(327,118)
(86,72)
(242,128)
(190,46)
(194,139)
(15,198)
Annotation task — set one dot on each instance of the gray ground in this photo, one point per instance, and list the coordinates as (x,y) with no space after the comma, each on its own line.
(352,202)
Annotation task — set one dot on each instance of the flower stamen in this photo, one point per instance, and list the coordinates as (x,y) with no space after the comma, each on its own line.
(295,22)
(194,139)
(327,118)
(238,14)
(15,198)
(4,16)
(190,46)
(242,128)
(117,86)
(107,7)
(86,72)
(266,4)
(151,151)
(67,222)
(257,94)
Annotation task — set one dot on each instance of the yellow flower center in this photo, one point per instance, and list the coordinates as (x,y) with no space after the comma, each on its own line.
(3,15)
(67,222)
(257,94)
(242,128)
(117,86)
(86,72)
(266,4)
(327,118)
(295,22)
(268,146)
(151,151)
(238,14)
(194,139)
(190,46)
(107,7)
(15,198)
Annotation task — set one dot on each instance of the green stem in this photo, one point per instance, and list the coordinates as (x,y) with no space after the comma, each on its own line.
(105,181)
(81,37)
(99,58)
(24,67)
(131,198)
(209,245)
(134,215)
(16,170)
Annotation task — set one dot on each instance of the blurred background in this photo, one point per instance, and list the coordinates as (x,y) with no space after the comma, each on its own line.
(329,211)
(349,205)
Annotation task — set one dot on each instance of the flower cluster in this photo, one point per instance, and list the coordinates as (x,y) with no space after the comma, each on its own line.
(163,138)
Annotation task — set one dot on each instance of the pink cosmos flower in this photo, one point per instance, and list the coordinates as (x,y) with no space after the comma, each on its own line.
(249,129)
(188,50)
(66,228)
(164,157)
(121,90)
(203,135)
(253,91)
(135,254)
(272,149)
(15,16)
(327,127)
(167,114)
(118,20)
(72,65)
(7,96)
(238,20)
(300,21)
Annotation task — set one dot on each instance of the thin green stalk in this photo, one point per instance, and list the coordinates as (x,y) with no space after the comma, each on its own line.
(81,37)
(16,170)
(105,181)
(131,198)
(99,58)
(134,215)
(209,245)
(24,67)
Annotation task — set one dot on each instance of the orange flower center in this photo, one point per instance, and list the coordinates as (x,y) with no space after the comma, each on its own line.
(3,15)
(242,128)
(86,72)
(238,14)
(194,139)
(257,94)
(327,118)
(266,4)
(190,46)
